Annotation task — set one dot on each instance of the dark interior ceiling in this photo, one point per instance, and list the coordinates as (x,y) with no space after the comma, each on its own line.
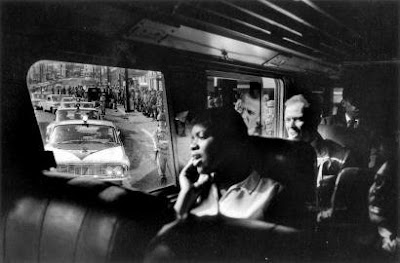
(333,32)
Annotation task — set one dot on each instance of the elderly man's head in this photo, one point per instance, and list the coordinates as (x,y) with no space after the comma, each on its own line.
(251,107)
(301,118)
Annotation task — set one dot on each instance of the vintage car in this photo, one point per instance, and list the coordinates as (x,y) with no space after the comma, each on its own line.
(65,100)
(90,148)
(85,104)
(65,114)
(73,113)
(77,103)
(37,99)
(51,103)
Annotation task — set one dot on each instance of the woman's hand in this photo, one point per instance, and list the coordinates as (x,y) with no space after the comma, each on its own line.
(192,185)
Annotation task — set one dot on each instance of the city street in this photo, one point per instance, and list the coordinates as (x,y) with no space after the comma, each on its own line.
(137,135)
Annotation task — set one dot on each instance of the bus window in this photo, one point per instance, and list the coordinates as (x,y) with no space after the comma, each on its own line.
(337,99)
(258,99)
(132,105)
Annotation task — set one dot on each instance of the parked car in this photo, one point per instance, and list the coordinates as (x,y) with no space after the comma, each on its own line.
(90,148)
(37,99)
(85,104)
(51,103)
(67,100)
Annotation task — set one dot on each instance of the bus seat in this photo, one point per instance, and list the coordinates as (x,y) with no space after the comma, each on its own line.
(286,161)
(334,133)
(223,239)
(358,141)
(348,233)
(350,197)
(70,220)
(293,165)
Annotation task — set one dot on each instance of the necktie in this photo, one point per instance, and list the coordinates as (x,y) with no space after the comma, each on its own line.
(353,124)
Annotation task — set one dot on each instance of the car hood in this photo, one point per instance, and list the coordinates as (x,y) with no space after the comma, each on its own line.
(88,153)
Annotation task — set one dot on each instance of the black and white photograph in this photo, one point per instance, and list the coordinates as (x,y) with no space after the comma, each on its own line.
(200,131)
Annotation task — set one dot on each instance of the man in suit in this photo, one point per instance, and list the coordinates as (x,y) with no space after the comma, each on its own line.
(302,116)
(349,127)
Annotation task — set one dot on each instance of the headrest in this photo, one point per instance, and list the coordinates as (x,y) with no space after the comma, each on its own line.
(334,133)
(286,161)
(81,221)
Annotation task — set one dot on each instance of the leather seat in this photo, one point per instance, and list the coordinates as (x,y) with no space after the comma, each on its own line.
(64,220)
(293,165)
(223,239)
(350,197)
(334,133)
(348,231)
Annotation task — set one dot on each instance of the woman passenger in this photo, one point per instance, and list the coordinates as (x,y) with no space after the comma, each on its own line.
(219,178)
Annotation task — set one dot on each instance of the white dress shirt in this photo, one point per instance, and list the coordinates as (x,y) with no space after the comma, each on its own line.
(247,199)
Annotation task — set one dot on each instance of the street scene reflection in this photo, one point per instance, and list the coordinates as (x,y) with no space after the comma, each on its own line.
(114,122)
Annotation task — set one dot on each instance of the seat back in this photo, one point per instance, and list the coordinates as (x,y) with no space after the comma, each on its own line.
(61,220)
(223,239)
(334,133)
(283,160)
(350,196)
(357,140)
(293,165)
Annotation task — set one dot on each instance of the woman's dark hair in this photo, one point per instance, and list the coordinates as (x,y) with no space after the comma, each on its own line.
(224,123)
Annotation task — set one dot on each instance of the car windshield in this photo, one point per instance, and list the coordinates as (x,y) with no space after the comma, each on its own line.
(66,99)
(81,133)
(76,114)
(86,105)
(69,104)
(55,98)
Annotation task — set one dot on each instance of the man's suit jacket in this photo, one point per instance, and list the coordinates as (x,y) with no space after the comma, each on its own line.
(357,139)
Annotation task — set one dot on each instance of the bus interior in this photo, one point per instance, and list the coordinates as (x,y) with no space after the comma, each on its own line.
(192,56)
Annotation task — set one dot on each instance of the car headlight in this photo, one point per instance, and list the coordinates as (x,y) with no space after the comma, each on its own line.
(117,171)
(109,171)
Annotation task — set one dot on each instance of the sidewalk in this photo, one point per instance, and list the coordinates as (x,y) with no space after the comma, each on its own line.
(121,109)
(134,119)
(119,112)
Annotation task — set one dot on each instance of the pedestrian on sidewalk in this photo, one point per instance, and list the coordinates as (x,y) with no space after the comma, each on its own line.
(160,139)
(103,103)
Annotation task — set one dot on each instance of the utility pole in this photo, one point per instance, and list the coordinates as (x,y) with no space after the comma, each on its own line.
(127,103)
(100,76)
(108,76)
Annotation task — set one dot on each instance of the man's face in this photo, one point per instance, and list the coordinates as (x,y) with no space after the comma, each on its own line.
(251,113)
(204,150)
(351,110)
(296,127)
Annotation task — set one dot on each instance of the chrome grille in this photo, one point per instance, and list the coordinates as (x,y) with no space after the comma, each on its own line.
(78,169)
